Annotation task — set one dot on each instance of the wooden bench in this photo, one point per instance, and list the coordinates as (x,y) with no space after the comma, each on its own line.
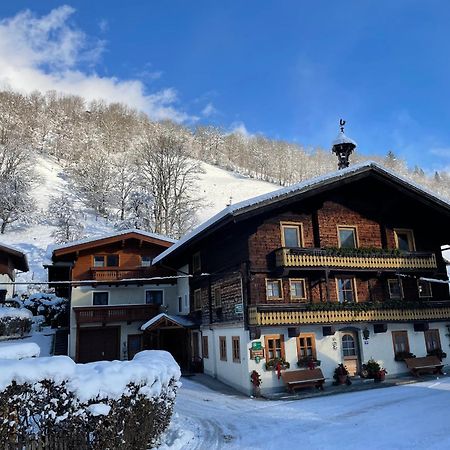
(295,379)
(427,364)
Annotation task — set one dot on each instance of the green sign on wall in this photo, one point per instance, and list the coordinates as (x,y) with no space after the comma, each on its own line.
(256,345)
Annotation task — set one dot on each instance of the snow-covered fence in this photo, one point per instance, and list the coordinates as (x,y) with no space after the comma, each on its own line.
(14,322)
(56,403)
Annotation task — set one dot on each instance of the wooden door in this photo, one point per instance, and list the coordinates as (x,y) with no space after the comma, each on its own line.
(98,344)
(350,352)
(134,345)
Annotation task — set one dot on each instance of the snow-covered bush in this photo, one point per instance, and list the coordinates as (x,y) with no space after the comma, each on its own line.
(52,307)
(118,404)
(14,322)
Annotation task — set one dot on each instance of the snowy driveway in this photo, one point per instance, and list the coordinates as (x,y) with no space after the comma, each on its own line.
(414,416)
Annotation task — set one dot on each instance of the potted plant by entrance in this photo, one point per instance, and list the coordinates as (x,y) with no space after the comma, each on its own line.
(372,367)
(380,375)
(255,379)
(341,375)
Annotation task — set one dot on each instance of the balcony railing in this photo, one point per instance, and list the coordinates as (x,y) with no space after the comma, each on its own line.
(105,274)
(268,317)
(106,314)
(312,257)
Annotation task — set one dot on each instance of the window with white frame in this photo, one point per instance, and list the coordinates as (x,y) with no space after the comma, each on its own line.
(297,289)
(100,298)
(346,290)
(347,237)
(154,297)
(291,235)
(274,290)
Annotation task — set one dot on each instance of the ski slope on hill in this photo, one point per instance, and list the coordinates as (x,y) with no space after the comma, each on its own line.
(216,186)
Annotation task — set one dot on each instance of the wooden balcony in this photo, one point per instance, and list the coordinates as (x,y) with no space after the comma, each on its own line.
(317,258)
(123,313)
(108,274)
(295,316)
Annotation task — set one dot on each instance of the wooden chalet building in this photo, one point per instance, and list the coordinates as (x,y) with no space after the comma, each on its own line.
(11,260)
(120,303)
(335,268)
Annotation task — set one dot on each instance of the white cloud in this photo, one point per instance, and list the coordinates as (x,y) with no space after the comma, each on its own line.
(46,53)
(209,110)
(240,128)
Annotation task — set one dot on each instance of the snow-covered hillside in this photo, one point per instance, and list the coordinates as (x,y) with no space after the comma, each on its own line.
(215,185)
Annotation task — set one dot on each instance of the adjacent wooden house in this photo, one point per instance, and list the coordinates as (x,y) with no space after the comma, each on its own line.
(341,269)
(11,261)
(120,303)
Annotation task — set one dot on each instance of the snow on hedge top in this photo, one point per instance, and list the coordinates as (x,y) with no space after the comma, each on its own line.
(16,313)
(295,189)
(160,237)
(153,369)
(14,350)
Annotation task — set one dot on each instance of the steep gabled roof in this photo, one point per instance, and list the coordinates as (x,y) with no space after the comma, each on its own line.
(18,256)
(109,238)
(298,190)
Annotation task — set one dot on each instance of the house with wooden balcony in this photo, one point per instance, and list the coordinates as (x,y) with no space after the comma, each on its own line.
(12,260)
(339,269)
(114,290)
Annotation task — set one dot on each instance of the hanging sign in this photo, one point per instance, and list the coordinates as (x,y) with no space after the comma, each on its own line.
(257,354)
(256,345)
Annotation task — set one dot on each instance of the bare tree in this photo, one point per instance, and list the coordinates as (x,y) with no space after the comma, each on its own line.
(67,219)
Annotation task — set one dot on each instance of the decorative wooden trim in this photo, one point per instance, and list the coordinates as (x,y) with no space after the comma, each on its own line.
(298,225)
(269,337)
(236,356)
(401,287)
(348,227)
(400,333)
(291,280)
(354,286)
(280,280)
(313,341)
(411,239)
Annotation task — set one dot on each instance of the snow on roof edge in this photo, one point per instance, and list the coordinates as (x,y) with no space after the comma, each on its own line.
(52,248)
(15,250)
(174,318)
(305,185)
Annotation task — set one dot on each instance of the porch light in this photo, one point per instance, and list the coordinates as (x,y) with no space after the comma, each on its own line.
(343,147)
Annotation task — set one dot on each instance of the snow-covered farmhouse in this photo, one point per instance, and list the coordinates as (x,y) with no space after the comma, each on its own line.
(11,261)
(120,303)
(339,269)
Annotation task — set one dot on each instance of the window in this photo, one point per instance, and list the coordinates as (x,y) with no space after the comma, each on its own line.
(347,237)
(112,260)
(297,289)
(196,262)
(99,261)
(218,297)
(146,261)
(306,346)
(197,299)
(395,288)
(400,341)
(154,297)
(424,288)
(432,340)
(274,346)
(180,304)
(223,348)
(274,290)
(404,240)
(205,347)
(100,298)
(236,347)
(348,345)
(291,234)
(346,290)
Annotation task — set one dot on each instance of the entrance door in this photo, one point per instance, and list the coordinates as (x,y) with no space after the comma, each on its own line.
(98,344)
(350,352)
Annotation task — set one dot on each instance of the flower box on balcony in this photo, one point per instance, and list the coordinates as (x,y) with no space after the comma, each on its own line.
(272,364)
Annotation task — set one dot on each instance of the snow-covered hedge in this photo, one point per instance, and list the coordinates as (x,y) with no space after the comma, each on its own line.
(19,350)
(118,404)
(52,307)
(14,322)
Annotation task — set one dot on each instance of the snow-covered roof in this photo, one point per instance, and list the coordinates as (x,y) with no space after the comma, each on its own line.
(294,190)
(180,320)
(160,237)
(343,139)
(18,253)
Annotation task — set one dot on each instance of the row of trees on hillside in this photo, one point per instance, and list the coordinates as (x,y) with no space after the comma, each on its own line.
(136,172)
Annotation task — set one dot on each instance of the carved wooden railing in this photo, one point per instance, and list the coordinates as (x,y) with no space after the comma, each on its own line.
(104,274)
(297,317)
(290,257)
(105,314)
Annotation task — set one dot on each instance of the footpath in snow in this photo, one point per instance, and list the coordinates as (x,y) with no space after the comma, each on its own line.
(413,416)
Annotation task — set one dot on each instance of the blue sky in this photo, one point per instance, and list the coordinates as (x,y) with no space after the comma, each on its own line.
(286,69)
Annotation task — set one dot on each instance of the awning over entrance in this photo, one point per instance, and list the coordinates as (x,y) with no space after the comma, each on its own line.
(167,321)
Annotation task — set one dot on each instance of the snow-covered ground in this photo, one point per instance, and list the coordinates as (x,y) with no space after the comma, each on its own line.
(412,416)
(215,185)
(43,338)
